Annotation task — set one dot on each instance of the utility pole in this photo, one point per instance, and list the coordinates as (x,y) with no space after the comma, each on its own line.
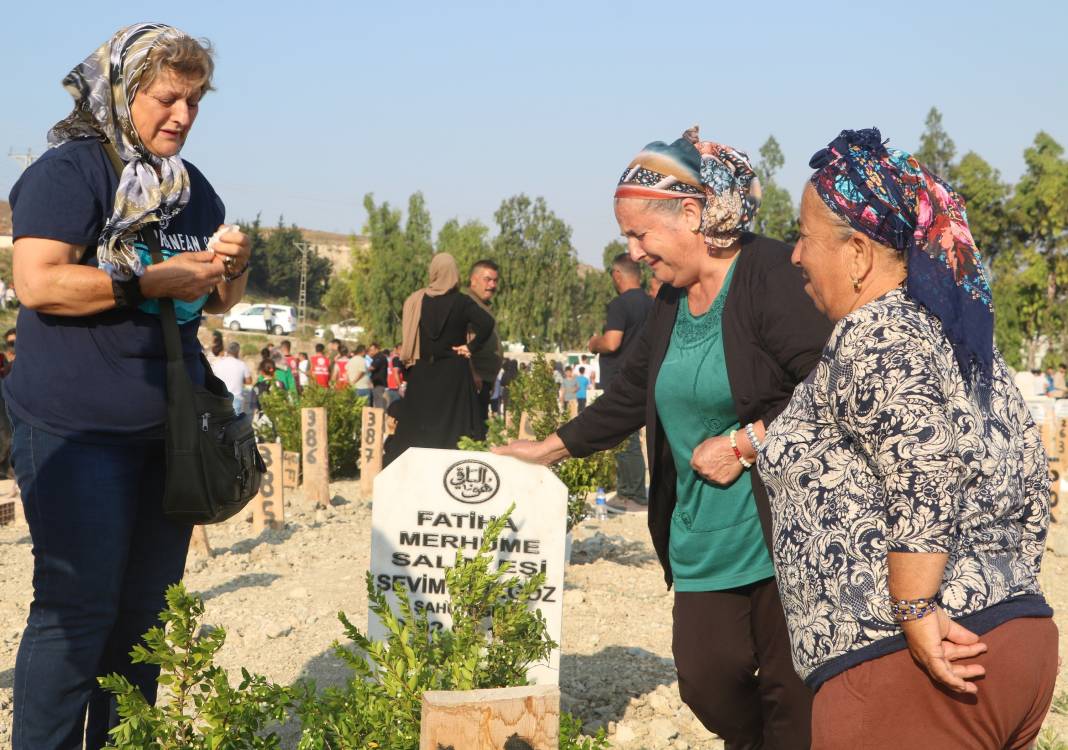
(302,302)
(25,159)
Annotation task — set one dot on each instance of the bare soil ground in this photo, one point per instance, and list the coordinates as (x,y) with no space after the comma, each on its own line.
(277,596)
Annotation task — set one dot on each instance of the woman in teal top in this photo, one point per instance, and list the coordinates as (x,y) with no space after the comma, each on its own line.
(716,541)
(729,336)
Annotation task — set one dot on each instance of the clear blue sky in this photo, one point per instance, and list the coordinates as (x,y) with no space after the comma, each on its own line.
(319,103)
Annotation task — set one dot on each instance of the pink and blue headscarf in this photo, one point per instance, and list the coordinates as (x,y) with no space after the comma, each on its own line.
(889,196)
(720,176)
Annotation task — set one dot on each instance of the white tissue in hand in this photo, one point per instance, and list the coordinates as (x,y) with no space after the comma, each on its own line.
(218,235)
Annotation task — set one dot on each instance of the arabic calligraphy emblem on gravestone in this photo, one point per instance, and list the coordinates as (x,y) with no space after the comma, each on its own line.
(471,481)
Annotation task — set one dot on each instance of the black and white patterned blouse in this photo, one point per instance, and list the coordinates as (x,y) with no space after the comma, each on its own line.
(881,449)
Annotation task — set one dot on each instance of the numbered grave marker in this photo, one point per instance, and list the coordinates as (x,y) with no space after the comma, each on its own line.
(315,458)
(291,470)
(371,438)
(198,542)
(1058,458)
(268,507)
(525,432)
(1042,411)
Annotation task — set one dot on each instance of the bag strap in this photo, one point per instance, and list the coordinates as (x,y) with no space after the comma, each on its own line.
(172,341)
(171,338)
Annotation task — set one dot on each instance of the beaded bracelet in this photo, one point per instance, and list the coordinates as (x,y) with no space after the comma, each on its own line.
(228,277)
(750,433)
(737,453)
(906,610)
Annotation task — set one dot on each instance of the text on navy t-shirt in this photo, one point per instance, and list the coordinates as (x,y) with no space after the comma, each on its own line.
(103,374)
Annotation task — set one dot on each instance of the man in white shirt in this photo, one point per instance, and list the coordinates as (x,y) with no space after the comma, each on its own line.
(359,374)
(231,370)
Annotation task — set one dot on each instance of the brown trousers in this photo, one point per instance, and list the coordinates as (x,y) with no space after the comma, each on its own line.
(890,702)
(732,653)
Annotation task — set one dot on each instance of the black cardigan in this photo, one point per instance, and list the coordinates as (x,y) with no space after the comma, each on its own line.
(772,337)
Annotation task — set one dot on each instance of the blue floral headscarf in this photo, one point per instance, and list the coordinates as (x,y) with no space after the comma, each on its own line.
(889,196)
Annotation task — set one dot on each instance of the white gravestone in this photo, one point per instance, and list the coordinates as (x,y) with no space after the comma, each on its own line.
(429,504)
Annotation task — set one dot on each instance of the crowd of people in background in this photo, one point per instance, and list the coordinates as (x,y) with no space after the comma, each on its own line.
(381,375)
(1043,384)
(375,374)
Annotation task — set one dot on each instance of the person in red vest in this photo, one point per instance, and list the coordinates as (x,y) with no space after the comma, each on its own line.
(394,376)
(320,367)
(287,351)
(292,362)
(339,373)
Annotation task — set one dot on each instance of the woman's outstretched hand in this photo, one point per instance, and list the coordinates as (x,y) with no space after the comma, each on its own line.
(936,642)
(714,461)
(545,452)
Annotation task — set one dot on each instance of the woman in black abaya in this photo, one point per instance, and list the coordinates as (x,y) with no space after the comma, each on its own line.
(440,404)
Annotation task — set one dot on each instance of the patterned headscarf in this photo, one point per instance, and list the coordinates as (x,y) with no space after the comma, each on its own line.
(103,86)
(691,168)
(889,196)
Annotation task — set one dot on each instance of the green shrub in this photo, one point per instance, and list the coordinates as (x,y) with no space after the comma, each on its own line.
(343,420)
(571,735)
(1060,703)
(203,711)
(534,393)
(495,636)
(1049,739)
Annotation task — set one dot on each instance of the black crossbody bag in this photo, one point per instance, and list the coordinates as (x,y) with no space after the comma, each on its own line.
(213,465)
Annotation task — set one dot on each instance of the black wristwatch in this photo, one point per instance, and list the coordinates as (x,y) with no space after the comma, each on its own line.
(127,293)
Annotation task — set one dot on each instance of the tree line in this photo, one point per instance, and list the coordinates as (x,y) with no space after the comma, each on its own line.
(549,300)
(275,269)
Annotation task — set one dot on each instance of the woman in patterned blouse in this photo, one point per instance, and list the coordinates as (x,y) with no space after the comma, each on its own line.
(908,484)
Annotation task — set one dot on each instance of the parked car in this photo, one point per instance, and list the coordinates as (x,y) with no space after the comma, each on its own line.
(347,329)
(283,319)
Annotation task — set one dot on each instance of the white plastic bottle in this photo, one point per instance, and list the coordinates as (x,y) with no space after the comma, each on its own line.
(600,508)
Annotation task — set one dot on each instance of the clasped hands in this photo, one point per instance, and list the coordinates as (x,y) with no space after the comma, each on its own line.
(936,643)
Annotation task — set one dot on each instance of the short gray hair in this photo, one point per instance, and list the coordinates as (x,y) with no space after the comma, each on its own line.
(193,59)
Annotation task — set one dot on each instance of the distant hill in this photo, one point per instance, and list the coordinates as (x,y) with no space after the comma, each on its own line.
(334,247)
(5,218)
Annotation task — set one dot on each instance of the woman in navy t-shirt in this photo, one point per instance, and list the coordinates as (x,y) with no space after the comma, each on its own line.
(88,395)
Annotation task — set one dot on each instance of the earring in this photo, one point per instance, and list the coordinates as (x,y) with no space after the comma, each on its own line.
(695,230)
(856,284)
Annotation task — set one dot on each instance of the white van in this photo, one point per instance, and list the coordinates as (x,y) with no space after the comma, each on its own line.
(281,320)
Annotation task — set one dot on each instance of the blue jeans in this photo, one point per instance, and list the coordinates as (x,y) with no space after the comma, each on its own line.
(103,556)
